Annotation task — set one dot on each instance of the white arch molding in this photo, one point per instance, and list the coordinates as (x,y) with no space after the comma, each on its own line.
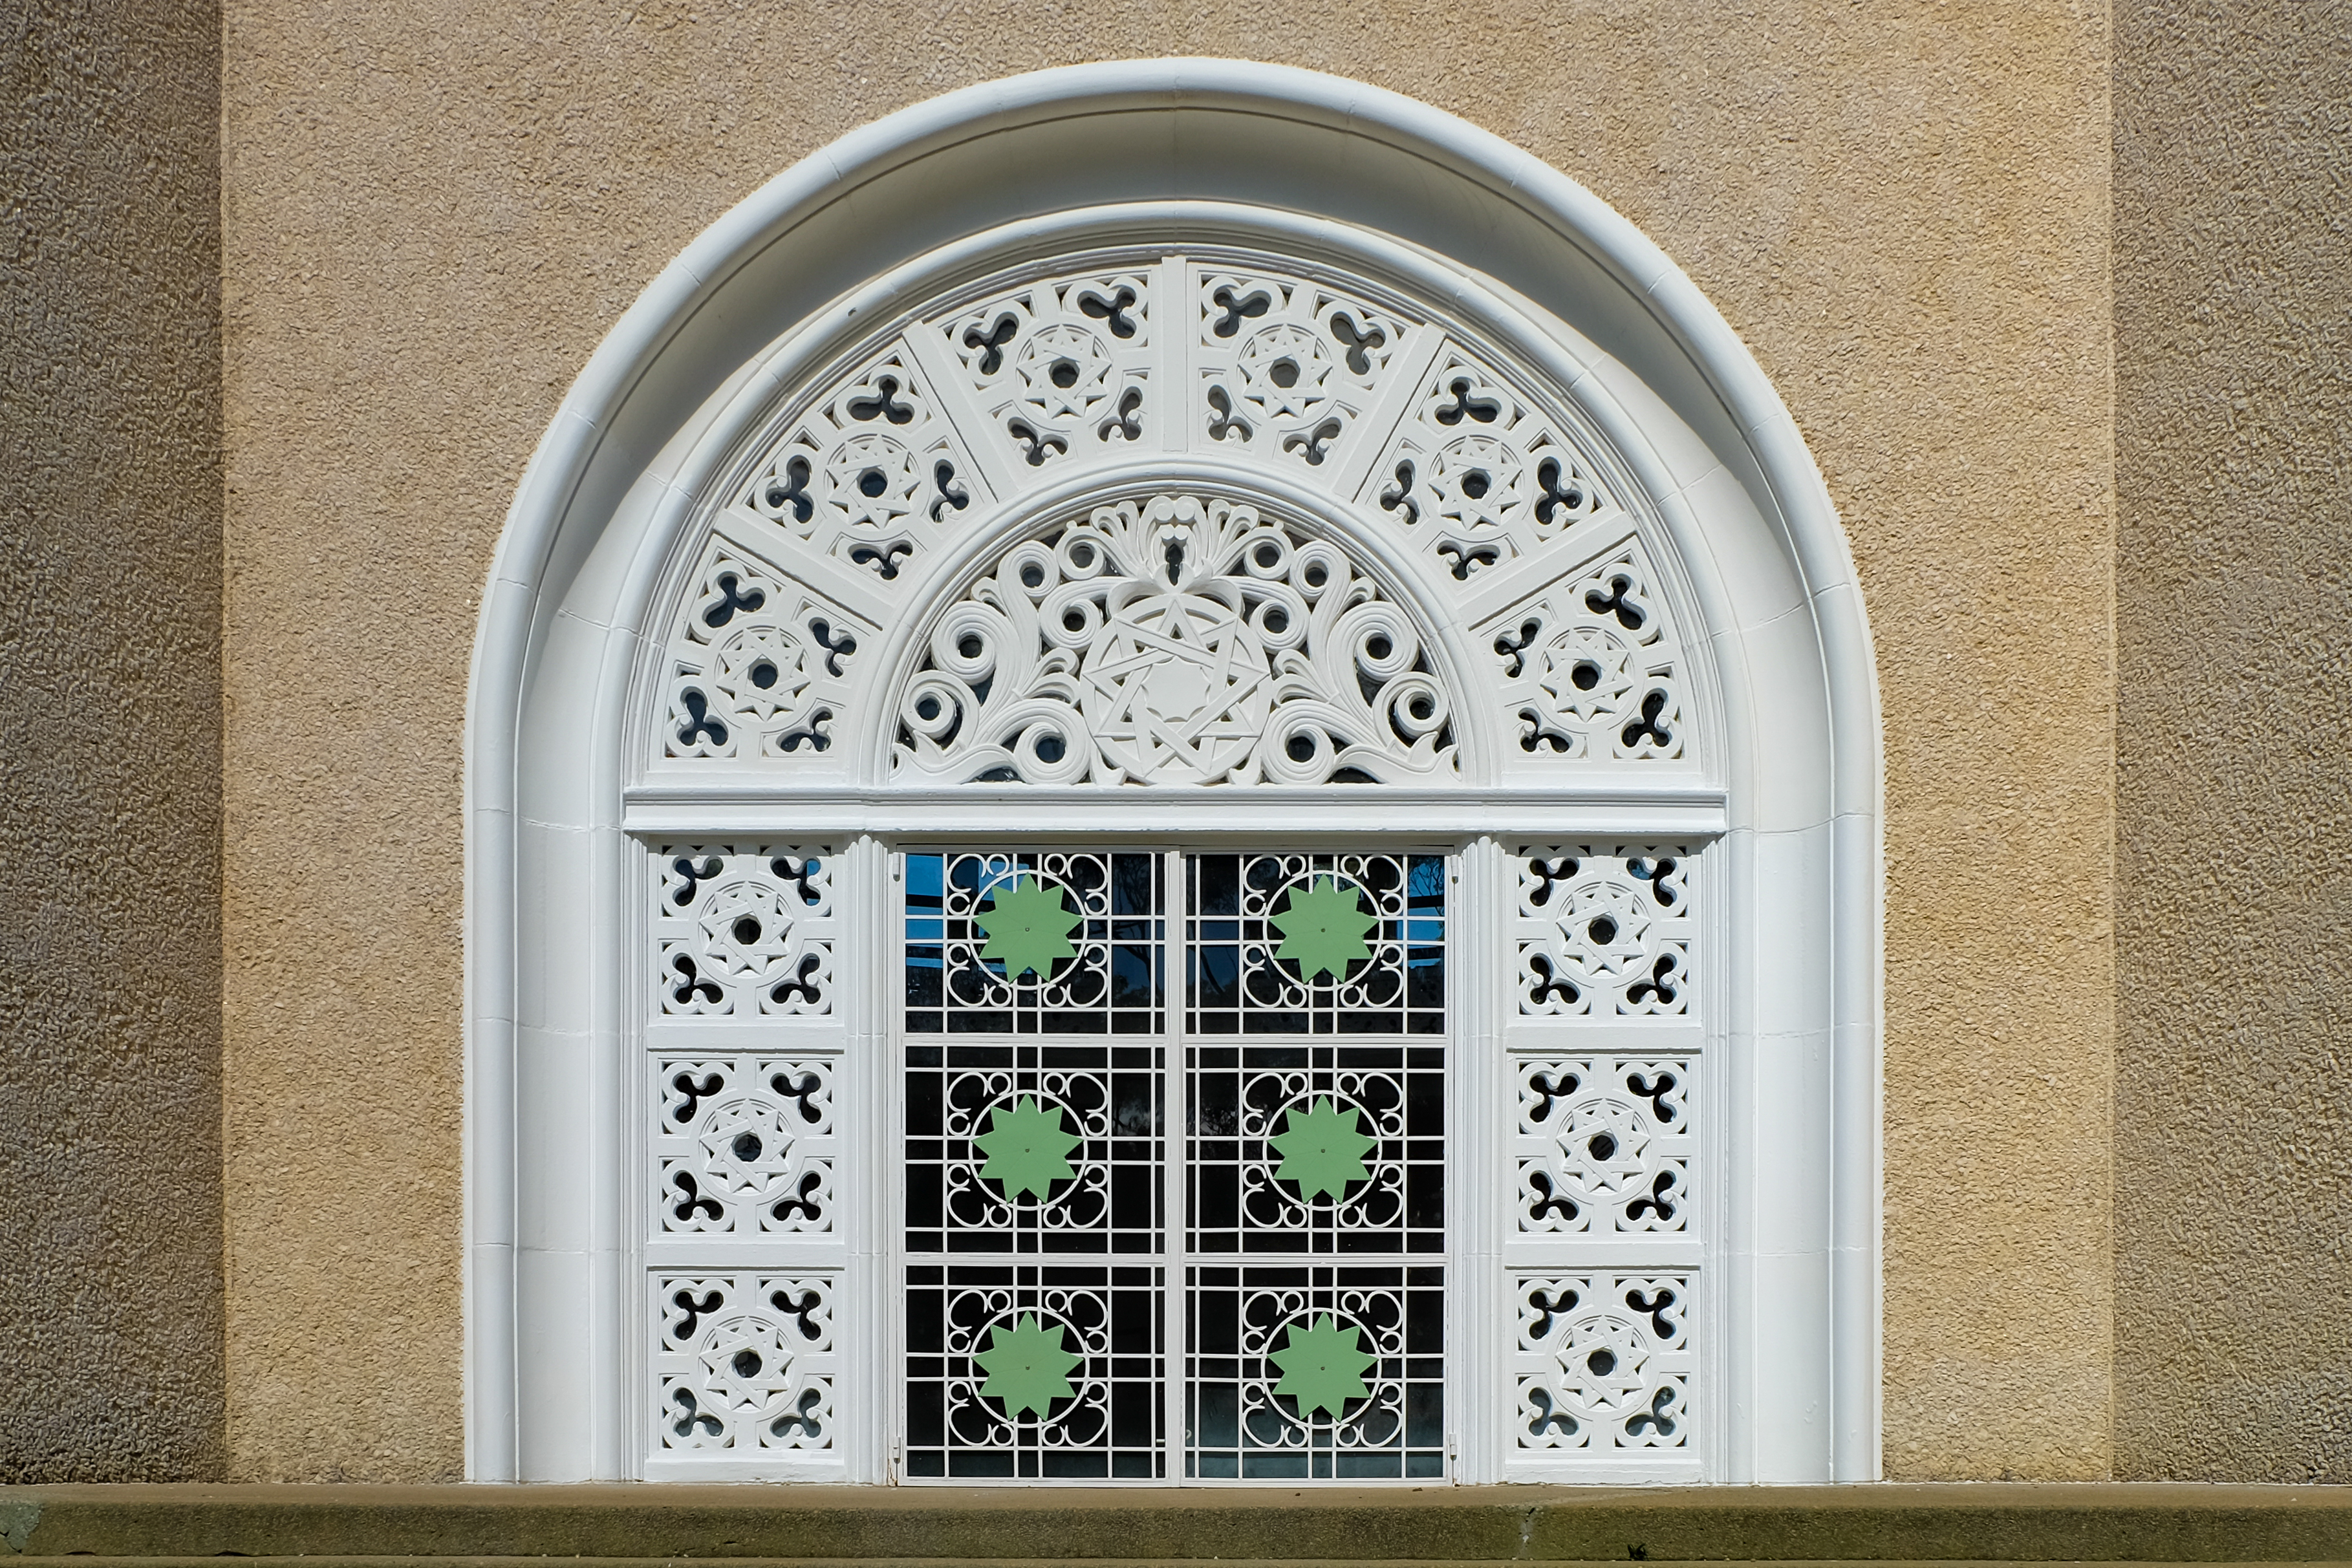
(1411,715)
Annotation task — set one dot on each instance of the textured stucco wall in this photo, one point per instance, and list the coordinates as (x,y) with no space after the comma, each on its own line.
(110,1323)
(2233,584)
(434,208)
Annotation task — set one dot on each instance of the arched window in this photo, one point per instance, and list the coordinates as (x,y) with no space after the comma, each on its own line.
(1172,787)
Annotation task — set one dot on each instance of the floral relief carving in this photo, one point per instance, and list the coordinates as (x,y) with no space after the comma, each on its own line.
(1063,366)
(1286,366)
(1604,1145)
(743,931)
(1603,1360)
(1174,640)
(1480,473)
(758,666)
(1591,668)
(744,1361)
(1605,931)
(873,474)
(743,1144)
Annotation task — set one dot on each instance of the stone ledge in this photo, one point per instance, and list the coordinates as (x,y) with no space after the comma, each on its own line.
(1398,1526)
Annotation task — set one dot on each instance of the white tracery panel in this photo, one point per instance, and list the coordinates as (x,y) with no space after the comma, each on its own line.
(758,664)
(1174,640)
(1062,367)
(1605,1144)
(1606,930)
(1591,665)
(744,1360)
(743,931)
(1480,473)
(872,473)
(1288,367)
(743,1144)
(1603,1362)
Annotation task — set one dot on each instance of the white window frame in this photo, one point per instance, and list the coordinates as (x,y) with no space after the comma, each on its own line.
(559,804)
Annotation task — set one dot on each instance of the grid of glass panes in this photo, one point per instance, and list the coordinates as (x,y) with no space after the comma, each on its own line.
(989,951)
(1315,944)
(1312,1071)
(1315,1115)
(1035,1061)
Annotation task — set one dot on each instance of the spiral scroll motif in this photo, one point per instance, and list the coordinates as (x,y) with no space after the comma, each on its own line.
(1174,640)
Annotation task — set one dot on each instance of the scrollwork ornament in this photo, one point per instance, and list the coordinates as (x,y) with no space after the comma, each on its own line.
(1174,640)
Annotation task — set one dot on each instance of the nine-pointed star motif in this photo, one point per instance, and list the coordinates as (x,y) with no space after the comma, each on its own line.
(1323,1365)
(1323,929)
(1027,1148)
(1028,927)
(1027,1366)
(1322,1149)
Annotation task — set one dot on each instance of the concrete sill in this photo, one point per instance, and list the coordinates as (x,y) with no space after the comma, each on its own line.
(158,1525)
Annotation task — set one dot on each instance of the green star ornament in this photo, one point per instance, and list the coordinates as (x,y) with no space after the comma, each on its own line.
(1027,927)
(1322,1149)
(1323,1366)
(1027,1149)
(1323,929)
(1027,1365)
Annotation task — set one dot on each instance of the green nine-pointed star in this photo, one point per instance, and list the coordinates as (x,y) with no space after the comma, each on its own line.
(1026,1146)
(1323,1365)
(1027,927)
(1322,1149)
(1027,1365)
(1323,929)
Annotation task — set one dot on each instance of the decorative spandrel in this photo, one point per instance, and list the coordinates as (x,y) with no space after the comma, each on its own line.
(1053,941)
(1591,667)
(758,666)
(871,475)
(1289,367)
(1174,640)
(1062,369)
(1315,944)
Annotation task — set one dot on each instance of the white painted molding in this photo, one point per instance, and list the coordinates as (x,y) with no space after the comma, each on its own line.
(1287,161)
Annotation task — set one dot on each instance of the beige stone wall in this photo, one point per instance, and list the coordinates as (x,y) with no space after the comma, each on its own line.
(436,208)
(2234,330)
(109,742)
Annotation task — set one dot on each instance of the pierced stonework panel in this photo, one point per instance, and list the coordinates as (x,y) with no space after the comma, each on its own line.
(744,1361)
(1603,1362)
(1062,368)
(743,930)
(743,1144)
(873,474)
(1174,640)
(758,665)
(1591,669)
(1480,473)
(1605,931)
(1605,1144)
(1286,367)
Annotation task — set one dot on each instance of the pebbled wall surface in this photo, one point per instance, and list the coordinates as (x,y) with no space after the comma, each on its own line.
(110,1311)
(2233,584)
(435,209)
